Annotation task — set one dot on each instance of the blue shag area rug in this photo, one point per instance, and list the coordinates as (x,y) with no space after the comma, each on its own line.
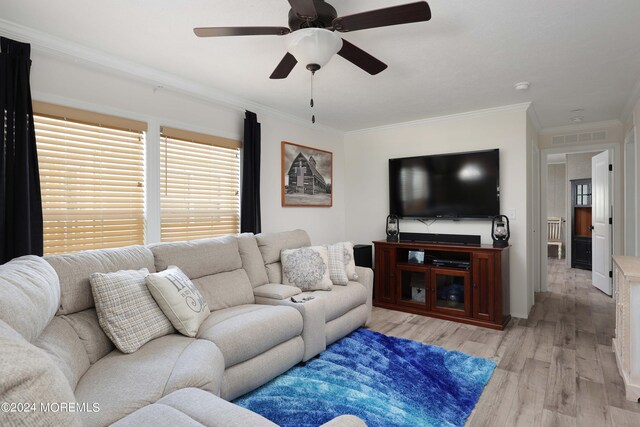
(384,380)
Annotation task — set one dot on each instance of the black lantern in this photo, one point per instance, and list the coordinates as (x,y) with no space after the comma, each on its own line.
(393,228)
(500,231)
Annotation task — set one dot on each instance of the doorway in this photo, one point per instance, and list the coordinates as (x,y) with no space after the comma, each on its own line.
(559,167)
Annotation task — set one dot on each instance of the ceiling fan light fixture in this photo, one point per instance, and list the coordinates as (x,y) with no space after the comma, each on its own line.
(313,47)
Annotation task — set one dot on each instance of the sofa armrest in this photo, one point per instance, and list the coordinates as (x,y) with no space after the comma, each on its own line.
(345,421)
(313,318)
(365,277)
(276,291)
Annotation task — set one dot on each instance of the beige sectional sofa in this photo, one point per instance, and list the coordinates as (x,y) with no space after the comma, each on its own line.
(54,350)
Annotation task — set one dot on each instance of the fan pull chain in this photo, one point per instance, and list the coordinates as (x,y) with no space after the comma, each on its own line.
(313,116)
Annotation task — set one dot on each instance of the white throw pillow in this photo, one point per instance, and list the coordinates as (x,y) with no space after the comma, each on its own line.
(337,263)
(127,312)
(179,299)
(349,261)
(306,268)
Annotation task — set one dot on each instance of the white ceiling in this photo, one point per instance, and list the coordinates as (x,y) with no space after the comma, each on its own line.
(576,54)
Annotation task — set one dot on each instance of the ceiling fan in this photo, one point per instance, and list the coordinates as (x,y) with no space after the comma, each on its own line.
(313,41)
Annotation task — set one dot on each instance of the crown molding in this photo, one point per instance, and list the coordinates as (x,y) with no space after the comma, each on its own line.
(470,114)
(582,127)
(70,51)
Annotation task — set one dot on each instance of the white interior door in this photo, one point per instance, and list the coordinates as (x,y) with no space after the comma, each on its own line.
(601,213)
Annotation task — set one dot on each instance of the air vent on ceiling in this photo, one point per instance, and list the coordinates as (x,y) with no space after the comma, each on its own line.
(585,137)
(579,137)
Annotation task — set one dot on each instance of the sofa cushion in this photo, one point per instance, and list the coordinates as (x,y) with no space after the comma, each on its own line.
(274,272)
(74,270)
(64,347)
(193,407)
(86,325)
(179,299)
(252,261)
(199,258)
(341,299)
(225,290)
(245,331)
(126,310)
(213,265)
(306,268)
(27,375)
(251,374)
(29,295)
(122,383)
(271,244)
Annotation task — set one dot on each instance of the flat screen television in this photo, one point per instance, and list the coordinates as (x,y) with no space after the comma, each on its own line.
(448,186)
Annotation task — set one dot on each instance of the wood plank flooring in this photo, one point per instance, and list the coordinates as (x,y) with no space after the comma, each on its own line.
(555,368)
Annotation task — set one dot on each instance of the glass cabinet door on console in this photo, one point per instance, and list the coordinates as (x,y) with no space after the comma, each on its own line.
(412,285)
(450,291)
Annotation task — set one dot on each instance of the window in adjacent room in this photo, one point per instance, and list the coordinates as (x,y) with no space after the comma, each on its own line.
(199,185)
(92,179)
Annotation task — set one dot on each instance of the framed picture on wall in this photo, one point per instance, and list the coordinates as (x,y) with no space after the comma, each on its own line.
(307,175)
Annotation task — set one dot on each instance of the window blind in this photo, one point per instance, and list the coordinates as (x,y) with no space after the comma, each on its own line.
(199,186)
(91,178)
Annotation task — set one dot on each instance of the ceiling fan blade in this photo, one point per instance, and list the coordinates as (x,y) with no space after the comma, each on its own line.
(361,58)
(284,67)
(404,14)
(305,9)
(240,31)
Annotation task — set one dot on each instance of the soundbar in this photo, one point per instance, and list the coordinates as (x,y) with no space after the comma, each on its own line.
(447,239)
(451,263)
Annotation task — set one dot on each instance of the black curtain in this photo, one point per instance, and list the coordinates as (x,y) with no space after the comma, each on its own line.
(20,201)
(250,203)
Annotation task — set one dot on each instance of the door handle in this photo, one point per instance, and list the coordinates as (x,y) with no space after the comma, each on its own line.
(591,227)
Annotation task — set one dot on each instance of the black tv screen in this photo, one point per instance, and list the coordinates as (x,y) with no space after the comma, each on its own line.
(454,186)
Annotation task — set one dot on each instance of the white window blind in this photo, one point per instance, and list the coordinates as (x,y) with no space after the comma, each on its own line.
(91,177)
(199,185)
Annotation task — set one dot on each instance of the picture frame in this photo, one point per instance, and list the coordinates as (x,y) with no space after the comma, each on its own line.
(307,176)
(415,257)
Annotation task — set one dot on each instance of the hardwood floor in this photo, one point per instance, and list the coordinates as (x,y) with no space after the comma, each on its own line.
(554,369)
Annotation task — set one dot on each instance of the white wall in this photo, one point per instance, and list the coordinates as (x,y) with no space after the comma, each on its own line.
(557,198)
(556,190)
(533,207)
(366,199)
(80,85)
(632,124)
(579,166)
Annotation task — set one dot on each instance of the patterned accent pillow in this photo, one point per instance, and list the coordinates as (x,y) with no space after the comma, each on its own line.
(179,299)
(337,263)
(306,268)
(127,312)
(349,261)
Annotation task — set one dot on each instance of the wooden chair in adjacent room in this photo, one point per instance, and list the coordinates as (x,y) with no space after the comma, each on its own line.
(554,233)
